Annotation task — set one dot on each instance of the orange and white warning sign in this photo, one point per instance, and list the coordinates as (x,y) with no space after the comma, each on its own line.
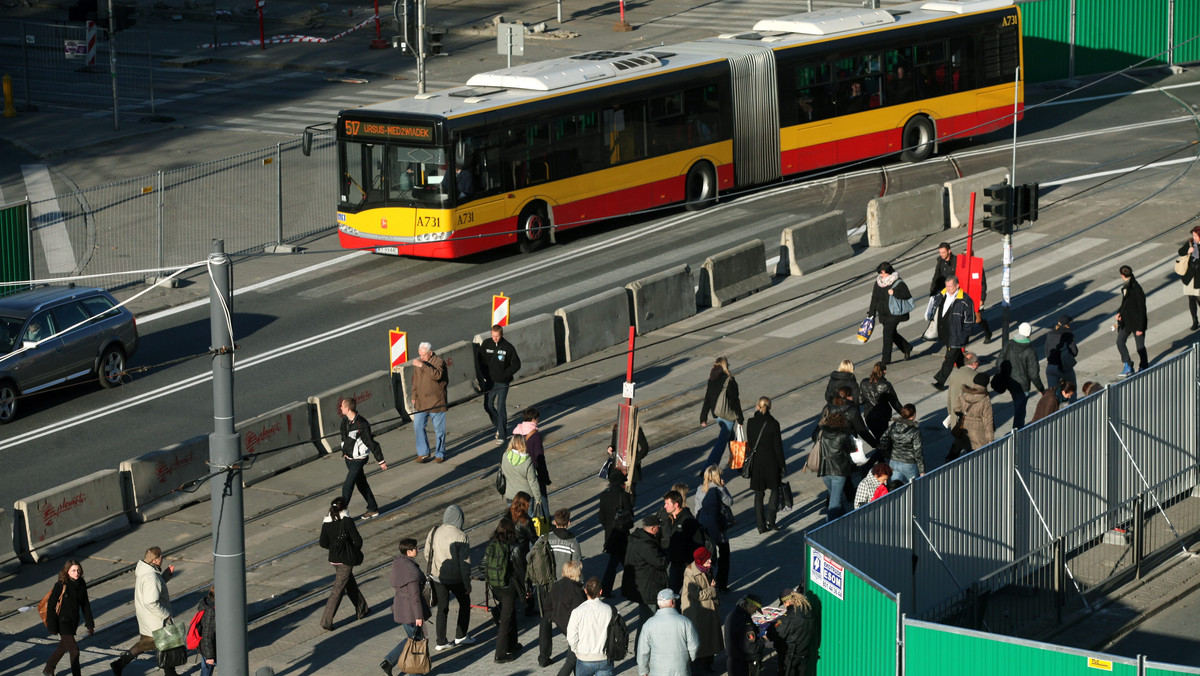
(398,347)
(500,310)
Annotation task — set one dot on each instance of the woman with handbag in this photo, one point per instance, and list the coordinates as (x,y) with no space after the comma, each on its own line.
(409,610)
(767,464)
(341,538)
(891,301)
(68,604)
(716,517)
(721,399)
(1190,277)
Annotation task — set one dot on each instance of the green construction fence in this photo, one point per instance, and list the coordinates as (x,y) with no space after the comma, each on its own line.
(16,257)
(950,651)
(848,604)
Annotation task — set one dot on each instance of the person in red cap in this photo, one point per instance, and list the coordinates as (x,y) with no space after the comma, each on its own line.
(701,605)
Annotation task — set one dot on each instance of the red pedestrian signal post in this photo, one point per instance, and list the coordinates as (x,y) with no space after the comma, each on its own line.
(969,267)
(625,453)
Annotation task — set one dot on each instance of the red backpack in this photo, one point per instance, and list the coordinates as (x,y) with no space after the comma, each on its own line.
(193,635)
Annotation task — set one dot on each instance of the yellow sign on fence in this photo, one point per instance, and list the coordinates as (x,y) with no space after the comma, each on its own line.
(1103,665)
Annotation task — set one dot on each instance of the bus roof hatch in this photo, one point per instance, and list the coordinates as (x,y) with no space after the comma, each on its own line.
(827,21)
(565,72)
(964,6)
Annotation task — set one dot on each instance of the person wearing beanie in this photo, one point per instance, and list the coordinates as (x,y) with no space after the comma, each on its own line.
(1019,360)
(701,605)
(975,427)
(1061,352)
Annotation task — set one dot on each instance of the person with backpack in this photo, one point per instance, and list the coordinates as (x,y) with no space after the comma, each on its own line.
(587,633)
(409,609)
(341,538)
(448,560)
(519,511)
(504,579)
(615,513)
(205,624)
(1062,352)
(565,596)
(645,567)
(67,605)
(546,559)
(891,301)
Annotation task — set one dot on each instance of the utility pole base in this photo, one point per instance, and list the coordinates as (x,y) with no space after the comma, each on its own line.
(622,27)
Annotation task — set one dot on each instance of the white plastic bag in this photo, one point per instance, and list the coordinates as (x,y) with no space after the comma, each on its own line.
(859,454)
(931,330)
(739,432)
(931,309)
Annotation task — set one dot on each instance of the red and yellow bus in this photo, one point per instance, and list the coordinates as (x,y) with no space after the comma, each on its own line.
(520,154)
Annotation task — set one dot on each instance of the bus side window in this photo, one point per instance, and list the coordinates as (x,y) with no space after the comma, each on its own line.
(703,106)
(962,64)
(814,92)
(668,130)
(625,132)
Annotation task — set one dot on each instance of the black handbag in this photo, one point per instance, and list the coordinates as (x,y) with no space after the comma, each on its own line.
(175,657)
(428,591)
(786,500)
(344,550)
(751,452)
(501,482)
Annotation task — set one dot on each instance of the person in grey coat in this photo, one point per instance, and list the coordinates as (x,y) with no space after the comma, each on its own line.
(668,642)
(409,609)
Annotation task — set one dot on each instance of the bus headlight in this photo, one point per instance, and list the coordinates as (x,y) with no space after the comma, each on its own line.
(432,237)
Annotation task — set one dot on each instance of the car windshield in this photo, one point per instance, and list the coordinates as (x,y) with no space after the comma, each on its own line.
(10,328)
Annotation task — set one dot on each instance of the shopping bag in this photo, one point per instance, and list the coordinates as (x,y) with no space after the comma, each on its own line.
(415,658)
(737,447)
(605,469)
(859,454)
(1181,265)
(175,657)
(786,499)
(813,463)
(931,308)
(170,636)
(931,330)
(864,330)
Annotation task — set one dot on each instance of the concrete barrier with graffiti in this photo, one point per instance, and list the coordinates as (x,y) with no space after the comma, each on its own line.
(59,520)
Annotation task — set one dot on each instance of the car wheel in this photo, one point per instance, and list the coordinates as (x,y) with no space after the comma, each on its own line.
(8,402)
(112,367)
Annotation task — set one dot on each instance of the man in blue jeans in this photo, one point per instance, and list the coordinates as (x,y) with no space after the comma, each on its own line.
(429,383)
(587,632)
(357,447)
(496,362)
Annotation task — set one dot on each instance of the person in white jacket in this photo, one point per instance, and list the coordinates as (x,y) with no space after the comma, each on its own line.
(151,603)
(587,632)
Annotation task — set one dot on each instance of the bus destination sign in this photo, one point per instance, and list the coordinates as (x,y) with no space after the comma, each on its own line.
(358,129)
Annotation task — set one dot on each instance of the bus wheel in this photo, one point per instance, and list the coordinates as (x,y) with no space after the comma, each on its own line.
(532,228)
(917,139)
(700,188)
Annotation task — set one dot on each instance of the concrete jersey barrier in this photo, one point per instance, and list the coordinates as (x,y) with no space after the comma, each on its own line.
(814,244)
(958,194)
(276,441)
(592,325)
(533,340)
(734,274)
(905,216)
(9,563)
(150,479)
(376,398)
(57,521)
(662,299)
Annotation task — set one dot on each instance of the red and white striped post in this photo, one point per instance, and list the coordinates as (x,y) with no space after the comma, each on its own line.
(378,42)
(91,43)
(622,26)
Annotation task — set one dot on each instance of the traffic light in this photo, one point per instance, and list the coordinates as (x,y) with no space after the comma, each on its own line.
(999,208)
(1026,209)
(433,40)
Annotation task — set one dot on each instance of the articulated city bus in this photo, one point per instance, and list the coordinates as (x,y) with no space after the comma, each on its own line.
(519,154)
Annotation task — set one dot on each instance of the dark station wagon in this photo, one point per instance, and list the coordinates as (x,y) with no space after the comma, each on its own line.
(52,335)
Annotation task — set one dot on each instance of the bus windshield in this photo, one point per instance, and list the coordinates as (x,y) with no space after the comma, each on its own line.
(384,174)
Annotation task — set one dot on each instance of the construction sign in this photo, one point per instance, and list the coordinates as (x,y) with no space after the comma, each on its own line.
(500,310)
(398,347)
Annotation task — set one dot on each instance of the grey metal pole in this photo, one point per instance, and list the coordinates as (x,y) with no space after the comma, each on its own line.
(1071,41)
(25,67)
(421,46)
(229,539)
(1006,276)
(112,64)
(279,193)
(162,234)
(150,71)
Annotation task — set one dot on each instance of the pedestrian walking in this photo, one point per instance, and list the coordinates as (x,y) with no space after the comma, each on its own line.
(901,446)
(341,538)
(448,557)
(768,465)
(519,511)
(963,375)
(1054,399)
(1023,370)
(744,649)
(716,507)
(409,609)
(643,448)
(587,634)
(357,446)
(528,428)
(792,634)
(646,566)
(667,643)
(701,605)
(68,605)
(615,513)
(880,475)
(565,596)
(429,383)
(151,605)
(208,632)
(496,364)
(1191,277)
(721,399)
(504,571)
(839,422)
(1131,319)
(954,318)
(565,548)
(878,399)
(842,377)
(1062,352)
(680,535)
(975,428)
(945,267)
(520,473)
(891,302)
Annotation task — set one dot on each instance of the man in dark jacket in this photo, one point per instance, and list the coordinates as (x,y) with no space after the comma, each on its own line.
(1061,352)
(496,362)
(615,513)
(408,605)
(1131,318)
(645,568)
(955,315)
(566,595)
(792,634)
(1019,359)
(946,266)
(680,536)
(357,447)
(743,647)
